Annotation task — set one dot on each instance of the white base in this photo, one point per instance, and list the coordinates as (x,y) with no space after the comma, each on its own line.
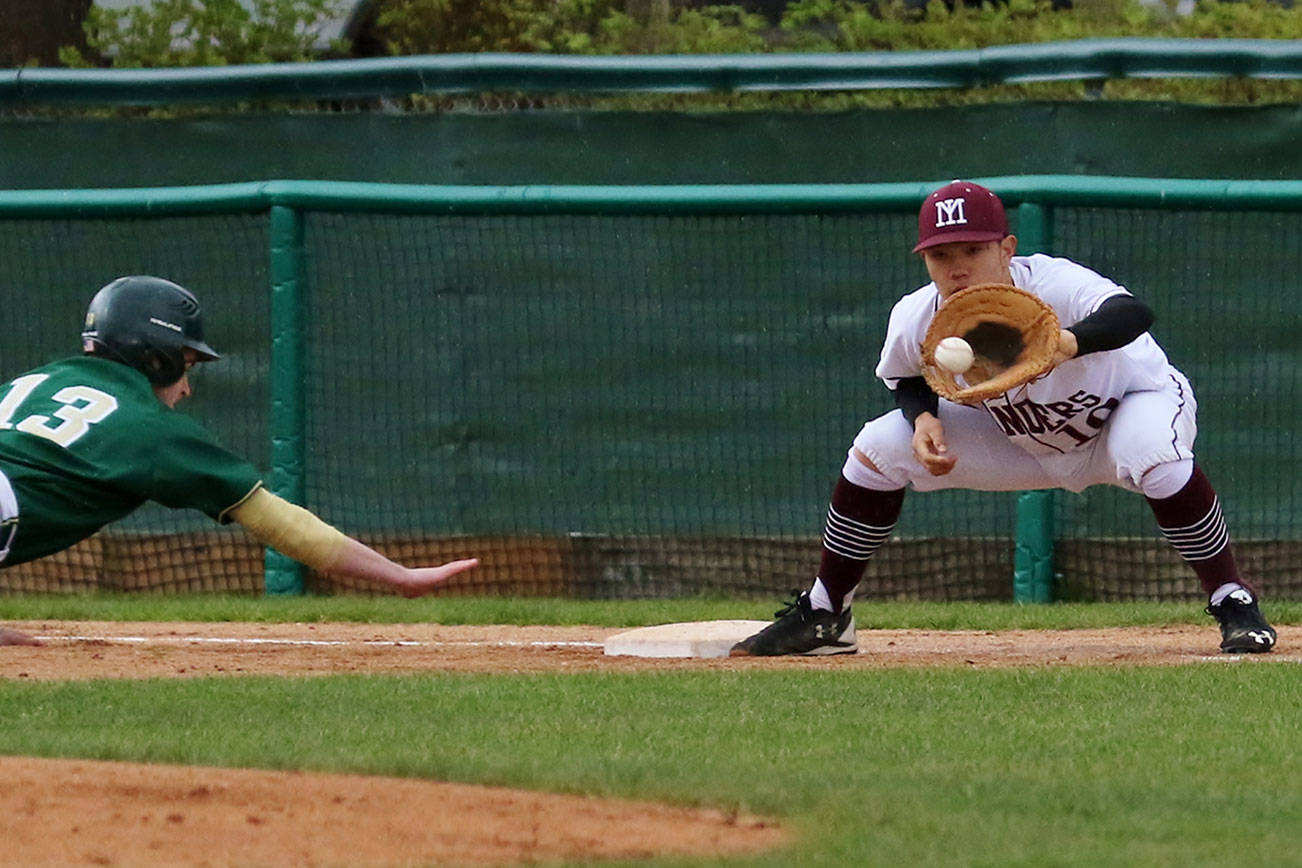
(690,639)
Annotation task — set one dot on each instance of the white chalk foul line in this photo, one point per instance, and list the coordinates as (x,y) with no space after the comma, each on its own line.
(469,643)
(382,643)
(1237,658)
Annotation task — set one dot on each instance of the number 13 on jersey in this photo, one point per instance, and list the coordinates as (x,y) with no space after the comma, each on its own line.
(82,407)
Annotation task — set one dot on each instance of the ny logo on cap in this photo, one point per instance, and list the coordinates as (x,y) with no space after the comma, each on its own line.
(949,212)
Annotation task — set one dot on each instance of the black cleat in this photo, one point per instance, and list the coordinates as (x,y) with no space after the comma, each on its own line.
(1243,629)
(801,629)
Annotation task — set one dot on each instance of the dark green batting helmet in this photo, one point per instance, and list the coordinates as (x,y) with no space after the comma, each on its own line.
(146,323)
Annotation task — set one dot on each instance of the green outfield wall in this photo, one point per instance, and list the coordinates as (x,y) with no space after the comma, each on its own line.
(362,120)
(649,390)
(557,147)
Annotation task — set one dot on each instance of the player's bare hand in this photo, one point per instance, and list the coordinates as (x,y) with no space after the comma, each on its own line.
(1067,347)
(419,581)
(359,561)
(929,445)
(13,637)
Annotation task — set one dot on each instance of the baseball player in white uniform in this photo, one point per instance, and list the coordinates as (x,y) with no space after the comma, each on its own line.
(1112,411)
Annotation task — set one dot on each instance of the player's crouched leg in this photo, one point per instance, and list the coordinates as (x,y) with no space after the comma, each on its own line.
(864,507)
(800,629)
(1244,630)
(1150,439)
(986,459)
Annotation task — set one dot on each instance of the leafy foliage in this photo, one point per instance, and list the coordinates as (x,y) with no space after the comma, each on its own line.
(216,32)
(562,26)
(603,27)
(205,33)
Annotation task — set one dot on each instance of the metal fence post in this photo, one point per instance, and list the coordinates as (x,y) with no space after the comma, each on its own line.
(284,575)
(1033,549)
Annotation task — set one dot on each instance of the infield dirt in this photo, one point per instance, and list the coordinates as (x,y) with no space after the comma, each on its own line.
(96,814)
(100,649)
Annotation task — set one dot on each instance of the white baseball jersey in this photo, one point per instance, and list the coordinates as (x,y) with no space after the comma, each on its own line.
(1067,407)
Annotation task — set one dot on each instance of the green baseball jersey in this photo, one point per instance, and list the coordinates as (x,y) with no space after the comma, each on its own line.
(85,441)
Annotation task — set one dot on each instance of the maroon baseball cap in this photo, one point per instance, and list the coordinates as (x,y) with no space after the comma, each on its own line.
(960,211)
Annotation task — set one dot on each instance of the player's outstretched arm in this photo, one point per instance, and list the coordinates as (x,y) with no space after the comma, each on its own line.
(359,561)
(1117,322)
(296,532)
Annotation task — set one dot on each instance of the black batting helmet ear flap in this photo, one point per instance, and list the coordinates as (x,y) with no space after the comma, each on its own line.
(146,323)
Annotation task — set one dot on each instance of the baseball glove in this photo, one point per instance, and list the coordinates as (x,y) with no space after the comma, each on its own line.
(1013,334)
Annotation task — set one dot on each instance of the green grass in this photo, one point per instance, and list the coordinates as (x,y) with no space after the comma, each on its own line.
(1187,765)
(609,613)
(1125,766)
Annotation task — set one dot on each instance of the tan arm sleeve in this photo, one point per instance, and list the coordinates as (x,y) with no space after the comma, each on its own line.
(290,530)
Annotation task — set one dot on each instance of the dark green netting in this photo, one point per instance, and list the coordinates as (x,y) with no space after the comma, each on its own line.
(635,405)
(1219,283)
(671,396)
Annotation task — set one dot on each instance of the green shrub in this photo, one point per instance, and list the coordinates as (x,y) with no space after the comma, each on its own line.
(204,33)
(602,27)
(216,32)
(561,26)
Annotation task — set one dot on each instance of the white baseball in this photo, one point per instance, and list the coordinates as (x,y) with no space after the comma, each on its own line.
(954,355)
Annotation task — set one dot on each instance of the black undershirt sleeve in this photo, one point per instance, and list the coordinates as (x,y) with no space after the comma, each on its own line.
(914,397)
(1117,322)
